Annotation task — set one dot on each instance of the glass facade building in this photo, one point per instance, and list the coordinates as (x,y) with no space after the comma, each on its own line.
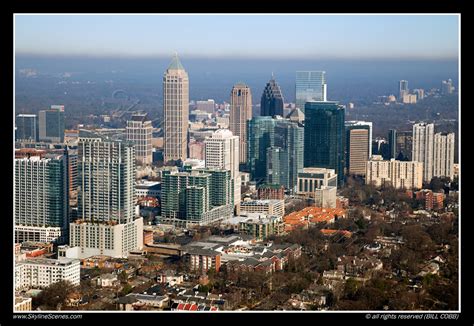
(26,127)
(275,151)
(324,137)
(51,124)
(272,100)
(310,86)
(41,196)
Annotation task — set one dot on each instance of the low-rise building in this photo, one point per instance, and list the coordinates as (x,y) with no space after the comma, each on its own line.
(107,280)
(145,188)
(312,215)
(22,304)
(261,227)
(42,272)
(269,207)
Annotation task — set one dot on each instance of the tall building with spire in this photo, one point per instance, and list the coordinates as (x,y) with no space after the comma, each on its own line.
(272,99)
(240,112)
(176,111)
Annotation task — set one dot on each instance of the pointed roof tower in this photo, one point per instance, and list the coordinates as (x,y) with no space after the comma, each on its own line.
(175,63)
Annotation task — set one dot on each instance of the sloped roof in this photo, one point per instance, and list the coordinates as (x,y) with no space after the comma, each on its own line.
(175,63)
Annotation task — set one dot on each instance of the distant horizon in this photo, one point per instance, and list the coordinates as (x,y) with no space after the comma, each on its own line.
(254,36)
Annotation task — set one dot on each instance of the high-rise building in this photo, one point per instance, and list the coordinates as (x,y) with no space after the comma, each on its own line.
(324,137)
(358,146)
(423,142)
(197,197)
(240,112)
(420,93)
(139,131)
(403,89)
(206,106)
(404,145)
(272,99)
(310,86)
(222,152)
(51,124)
(176,111)
(26,127)
(443,165)
(392,142)
(41,203)
(408,175)
(447,87)
(106,224)
(275,147)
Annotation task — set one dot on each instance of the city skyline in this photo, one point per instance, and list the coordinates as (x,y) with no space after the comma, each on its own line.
(345,36)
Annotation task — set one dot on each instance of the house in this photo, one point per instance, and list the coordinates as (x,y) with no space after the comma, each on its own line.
(107,280)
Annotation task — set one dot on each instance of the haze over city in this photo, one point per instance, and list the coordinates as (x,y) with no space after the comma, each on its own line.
(172,163)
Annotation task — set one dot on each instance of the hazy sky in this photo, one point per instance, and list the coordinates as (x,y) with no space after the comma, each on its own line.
(252,36)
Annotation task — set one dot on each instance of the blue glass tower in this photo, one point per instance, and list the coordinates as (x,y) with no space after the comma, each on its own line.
(324,137)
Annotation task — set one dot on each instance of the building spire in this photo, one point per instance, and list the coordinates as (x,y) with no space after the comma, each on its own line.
(175,63)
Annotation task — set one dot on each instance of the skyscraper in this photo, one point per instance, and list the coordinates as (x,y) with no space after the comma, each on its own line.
(358,147)
(402,89)
(106,223)
(443,165)
(447,87)
(423,143)
(139,131)
(392,142)
(275,148)
(51,124)
(310,86)
(404,145)
(26,127)
(41,202)
(272,99)
(222,152)
(240,112)
(176,111)
(200,196)
(324,137)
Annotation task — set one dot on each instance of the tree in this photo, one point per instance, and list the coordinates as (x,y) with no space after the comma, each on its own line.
(54,296)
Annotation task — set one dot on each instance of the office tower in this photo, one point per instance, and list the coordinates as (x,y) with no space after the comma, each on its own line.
(392,142)
(409,99)
(272,99)
(296,115)
(206,106)
(288,149)
(221,151)
(403,89)
(358,146)
(324,137)
(41,202)
(51,124)
(420,93)
(197,197)
(398,174)
(139,131)
(275,148)
(106,223)
(240,112)
(447,87)
(404,145)
(443,165)
(310,86)
(26,127)
(176,111)
(423,141)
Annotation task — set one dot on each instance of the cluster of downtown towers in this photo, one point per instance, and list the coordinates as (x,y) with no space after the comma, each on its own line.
(274,149)
(271,147)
